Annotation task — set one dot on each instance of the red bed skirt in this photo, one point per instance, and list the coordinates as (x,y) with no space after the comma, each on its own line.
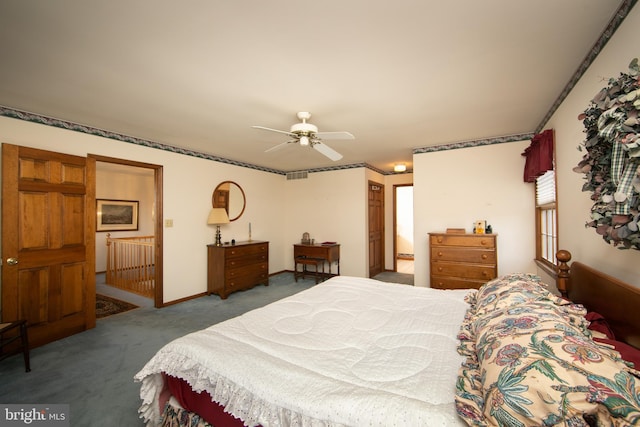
(200,403)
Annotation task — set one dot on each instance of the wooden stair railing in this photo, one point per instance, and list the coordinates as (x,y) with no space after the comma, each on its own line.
(130,264)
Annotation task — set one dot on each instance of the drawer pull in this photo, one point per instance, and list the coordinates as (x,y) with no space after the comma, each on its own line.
(440,269)
(483,242)
(439,253)
(484,256)
(439,239)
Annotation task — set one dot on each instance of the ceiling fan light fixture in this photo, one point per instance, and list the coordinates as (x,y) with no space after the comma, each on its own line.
(399,167)
(302,128)
(307,135)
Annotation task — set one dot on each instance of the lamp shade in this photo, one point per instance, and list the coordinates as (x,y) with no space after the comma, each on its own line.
(218,216)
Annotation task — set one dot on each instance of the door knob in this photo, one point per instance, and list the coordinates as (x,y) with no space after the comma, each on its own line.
(12,261)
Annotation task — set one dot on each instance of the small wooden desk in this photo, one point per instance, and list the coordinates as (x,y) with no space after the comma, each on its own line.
(329,252)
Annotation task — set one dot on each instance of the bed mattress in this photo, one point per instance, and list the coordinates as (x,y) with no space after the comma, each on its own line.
(350,351)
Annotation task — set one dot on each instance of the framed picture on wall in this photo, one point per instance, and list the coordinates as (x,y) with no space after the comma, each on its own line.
(116,215)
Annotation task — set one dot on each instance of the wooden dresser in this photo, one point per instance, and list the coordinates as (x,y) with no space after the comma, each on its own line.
(236,267)
(462,260)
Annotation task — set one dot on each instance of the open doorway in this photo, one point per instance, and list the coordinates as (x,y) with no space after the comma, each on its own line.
(403,228)
(143,184)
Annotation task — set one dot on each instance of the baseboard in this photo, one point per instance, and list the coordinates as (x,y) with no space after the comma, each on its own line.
(178,301)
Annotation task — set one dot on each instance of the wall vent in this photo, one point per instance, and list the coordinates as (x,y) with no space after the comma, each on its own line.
(297,175)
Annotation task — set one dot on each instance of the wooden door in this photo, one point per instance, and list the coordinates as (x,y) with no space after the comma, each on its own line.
(221,199)
(48,242)
(376,228)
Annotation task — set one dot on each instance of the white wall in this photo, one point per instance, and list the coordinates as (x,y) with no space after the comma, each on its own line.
(454,188)
(330,206)
(574,205)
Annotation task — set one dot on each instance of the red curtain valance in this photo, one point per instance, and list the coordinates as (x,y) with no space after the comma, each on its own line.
(539,156)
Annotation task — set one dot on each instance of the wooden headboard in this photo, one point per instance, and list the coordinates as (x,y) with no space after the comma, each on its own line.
(617,301)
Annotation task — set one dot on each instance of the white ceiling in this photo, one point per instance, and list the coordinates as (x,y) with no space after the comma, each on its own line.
(198,74)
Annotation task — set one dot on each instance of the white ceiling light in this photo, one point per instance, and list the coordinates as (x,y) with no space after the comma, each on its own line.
(399,167)
(304,140)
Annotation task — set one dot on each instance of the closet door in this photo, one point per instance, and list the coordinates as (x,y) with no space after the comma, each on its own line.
(376,228)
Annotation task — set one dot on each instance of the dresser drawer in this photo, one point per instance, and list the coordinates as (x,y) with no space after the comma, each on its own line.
(448,253)
(236,262)
(465,240)
(455,283)
(242,283)
(245,250)
(253,270)
(242,278)
(464,271)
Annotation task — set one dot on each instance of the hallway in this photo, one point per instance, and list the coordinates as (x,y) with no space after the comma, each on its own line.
(404,266)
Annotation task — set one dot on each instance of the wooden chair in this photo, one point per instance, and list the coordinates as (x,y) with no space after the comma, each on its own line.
(306,261)
(14,331)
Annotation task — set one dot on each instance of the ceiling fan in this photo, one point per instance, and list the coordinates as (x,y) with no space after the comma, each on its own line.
(307,134)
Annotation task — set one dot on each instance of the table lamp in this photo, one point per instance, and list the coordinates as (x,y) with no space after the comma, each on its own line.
(218,216)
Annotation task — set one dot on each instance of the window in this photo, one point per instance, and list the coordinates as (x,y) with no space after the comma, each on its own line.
(546,219)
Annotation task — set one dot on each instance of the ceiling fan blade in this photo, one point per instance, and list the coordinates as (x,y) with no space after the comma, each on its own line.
(274,130)
(335,135)
(279,146)
(327,151)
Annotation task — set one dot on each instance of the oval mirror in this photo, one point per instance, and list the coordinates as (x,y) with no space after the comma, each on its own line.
(230,196)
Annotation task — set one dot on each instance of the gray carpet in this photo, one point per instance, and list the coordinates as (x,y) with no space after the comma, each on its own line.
(392,277)
(93,371)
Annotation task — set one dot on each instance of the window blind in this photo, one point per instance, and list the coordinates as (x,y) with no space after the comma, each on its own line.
(546,188)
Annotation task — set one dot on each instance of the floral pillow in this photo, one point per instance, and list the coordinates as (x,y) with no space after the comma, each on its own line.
(512,289)
(532,362)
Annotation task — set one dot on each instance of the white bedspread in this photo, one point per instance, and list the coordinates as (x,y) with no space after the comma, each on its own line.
(350,351)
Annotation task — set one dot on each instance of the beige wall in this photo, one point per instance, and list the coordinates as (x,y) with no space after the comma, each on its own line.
(575,205)
(454,188)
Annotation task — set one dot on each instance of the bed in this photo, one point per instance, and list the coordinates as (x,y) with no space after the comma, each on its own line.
(354,351)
